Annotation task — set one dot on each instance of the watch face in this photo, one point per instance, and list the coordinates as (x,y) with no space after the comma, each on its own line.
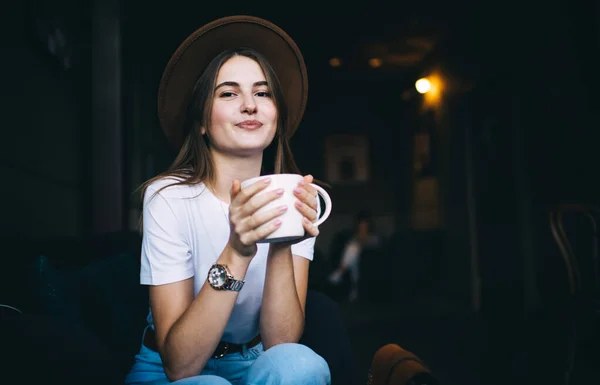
(217,276)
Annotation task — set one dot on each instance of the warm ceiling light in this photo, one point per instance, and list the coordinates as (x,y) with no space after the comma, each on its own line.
(375,62)
(423,85)
(335,62)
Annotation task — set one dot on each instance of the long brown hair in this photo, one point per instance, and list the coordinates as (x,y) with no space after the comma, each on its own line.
(193,164)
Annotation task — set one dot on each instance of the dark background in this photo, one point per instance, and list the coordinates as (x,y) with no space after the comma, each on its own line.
(515,132)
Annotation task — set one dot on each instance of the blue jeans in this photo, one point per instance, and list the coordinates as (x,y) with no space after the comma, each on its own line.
(285,364)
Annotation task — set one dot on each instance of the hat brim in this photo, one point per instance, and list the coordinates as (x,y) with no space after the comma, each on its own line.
(195,53)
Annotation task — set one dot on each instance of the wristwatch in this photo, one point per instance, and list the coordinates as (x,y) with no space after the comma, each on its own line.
(220,278)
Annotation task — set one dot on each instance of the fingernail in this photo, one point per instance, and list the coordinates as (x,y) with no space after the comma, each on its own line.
(280,191)
(298,190)
(277,222)
(267,180)
(302,183)
(282,208)
(299,204)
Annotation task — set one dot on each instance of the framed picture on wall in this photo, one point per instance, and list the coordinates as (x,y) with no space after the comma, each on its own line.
(347,159)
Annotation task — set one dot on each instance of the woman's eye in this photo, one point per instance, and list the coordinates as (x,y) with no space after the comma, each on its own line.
(227,94)
(264,94)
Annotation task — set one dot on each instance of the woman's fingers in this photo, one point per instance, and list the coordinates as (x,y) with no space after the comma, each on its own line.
(235,189)
(307,194)
(260,218)
(247,193)
(251,224)
(306,211)
(310,227)
(258,201)
(261,232)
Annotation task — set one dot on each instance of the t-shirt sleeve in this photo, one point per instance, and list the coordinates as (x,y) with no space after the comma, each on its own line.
(305,249)
(166,256)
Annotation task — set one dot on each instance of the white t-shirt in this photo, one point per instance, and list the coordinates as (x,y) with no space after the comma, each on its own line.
(185,229)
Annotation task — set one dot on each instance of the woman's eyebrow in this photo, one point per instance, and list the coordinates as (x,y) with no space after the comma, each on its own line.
(237,85)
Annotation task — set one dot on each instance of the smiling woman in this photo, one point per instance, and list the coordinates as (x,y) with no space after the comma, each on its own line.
(215,317)
(241,86)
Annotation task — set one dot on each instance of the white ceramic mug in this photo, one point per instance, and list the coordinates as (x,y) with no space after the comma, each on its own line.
(291,221)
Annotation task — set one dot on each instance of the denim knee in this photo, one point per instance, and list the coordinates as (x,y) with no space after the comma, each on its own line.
(202,380)
(292,364)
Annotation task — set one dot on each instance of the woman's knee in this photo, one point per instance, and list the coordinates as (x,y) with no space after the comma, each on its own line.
(295,364)
(202,380)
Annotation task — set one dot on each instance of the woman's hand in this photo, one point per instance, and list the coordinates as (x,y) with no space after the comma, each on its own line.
(307,206)
(248,226)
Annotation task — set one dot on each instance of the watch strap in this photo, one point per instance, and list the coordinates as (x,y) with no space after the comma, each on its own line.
(233,284)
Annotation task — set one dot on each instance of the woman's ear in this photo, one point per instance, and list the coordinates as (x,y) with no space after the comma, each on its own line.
(202,130)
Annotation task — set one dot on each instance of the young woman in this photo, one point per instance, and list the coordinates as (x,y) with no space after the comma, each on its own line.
(225,309)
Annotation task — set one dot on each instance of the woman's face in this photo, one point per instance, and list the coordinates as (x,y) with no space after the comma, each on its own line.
(244,116)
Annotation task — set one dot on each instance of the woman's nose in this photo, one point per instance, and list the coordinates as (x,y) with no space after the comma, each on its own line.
(249,106)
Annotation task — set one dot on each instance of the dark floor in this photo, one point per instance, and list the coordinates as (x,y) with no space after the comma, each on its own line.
(464,349)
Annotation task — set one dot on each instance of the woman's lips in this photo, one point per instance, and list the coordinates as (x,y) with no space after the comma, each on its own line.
(249,124)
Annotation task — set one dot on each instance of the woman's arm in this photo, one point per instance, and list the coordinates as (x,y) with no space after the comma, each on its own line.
(188,329)
(286,279)
(284,297)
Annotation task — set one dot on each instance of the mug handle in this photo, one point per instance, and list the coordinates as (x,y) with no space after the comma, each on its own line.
(327,200)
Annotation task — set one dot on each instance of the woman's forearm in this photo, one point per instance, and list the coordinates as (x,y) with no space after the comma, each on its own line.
(281,315)
(194,337)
